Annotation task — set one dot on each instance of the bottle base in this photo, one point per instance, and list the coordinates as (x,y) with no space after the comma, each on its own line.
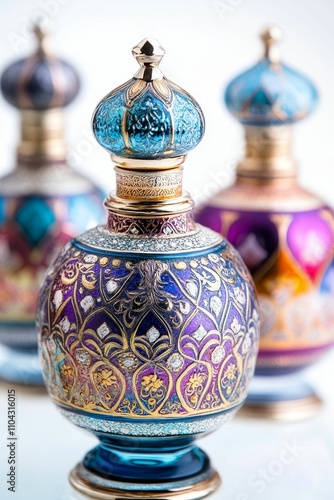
(21,367)
(96,486)
(286,399)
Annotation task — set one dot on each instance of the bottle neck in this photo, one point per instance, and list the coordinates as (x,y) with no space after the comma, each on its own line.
(149,201)
(42,137)
(268,155)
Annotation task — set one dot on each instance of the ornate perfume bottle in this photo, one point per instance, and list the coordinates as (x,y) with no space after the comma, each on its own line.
(43,202)
(283,233)
(148,325)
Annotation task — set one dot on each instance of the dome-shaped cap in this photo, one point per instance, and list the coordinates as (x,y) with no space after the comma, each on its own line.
(270,93)
(41,81)
(148,117)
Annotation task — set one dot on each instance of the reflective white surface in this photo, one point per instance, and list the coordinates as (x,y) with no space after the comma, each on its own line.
(258,460)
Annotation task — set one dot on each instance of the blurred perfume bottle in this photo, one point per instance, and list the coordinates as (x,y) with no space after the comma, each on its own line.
(43,201)
(283,232)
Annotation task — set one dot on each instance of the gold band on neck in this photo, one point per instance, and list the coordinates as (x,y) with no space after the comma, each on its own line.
(267,153)
(42,135)
(149,186)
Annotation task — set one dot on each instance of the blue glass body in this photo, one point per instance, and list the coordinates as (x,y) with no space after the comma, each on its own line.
(158,120)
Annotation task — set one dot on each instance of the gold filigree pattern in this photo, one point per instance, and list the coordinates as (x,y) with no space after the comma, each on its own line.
(155,226)
(150,186)
(124,336)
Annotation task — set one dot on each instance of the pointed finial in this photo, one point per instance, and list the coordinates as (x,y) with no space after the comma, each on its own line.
(43,42)
(148,54)
(270,37)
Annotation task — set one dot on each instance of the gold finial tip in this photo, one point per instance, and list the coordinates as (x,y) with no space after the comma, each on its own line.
(148,53)
(38,31)
(270,37)
(149,49)
(271,34)
(42,39)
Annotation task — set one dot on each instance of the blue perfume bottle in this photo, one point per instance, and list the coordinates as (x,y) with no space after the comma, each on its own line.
(43,201)
(148,325)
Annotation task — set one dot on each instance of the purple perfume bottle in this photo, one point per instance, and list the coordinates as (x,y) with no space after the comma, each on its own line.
(149,324)
(283,232)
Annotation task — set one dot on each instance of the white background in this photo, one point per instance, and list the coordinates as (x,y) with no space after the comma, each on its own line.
(207,42)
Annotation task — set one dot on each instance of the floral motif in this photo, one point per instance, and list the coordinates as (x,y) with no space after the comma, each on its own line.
(196,380)
(151,383)
(192,288)
(153,390)
(229,380)
(90,258)
(106,378)
(231,371)
(194,387)
(67,370)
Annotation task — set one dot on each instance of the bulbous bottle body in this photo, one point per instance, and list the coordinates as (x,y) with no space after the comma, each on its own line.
(42,207)
(285,236)
(148,343)
(140,341)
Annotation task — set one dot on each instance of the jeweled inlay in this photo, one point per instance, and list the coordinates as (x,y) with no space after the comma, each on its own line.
(164,428)
(100,238)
